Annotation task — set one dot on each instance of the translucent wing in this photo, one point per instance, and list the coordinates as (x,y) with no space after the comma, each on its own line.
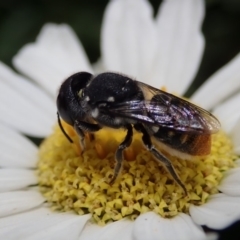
(166,110)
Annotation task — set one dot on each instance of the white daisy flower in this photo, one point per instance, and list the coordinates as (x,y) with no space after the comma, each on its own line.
(165,51)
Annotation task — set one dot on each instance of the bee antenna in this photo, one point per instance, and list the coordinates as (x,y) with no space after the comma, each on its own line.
(62,129)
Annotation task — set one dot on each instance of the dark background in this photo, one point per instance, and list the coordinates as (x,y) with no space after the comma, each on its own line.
(21,21)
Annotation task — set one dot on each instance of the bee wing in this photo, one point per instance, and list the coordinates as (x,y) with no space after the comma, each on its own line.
(166,110)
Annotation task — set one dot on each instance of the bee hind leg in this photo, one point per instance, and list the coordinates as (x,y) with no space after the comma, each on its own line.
(119,153)
(158,156)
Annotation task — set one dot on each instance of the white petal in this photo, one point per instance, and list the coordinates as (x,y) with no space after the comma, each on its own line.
(180,43)
(236,137)
(19,201)
(15,179)
(15,150)
(230,184)
(212,236)
(56,55)
(42,224)
(220,85)
(120,230)
(129,38)
(152,226)
(23,105)
(228,113)
(238,162)
(98,67)
(219,212)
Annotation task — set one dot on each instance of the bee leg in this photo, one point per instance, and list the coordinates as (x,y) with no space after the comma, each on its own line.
(81,136)
(160,157)
(81,127)
(119,153)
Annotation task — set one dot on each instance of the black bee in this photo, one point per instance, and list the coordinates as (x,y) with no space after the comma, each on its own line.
(89,102)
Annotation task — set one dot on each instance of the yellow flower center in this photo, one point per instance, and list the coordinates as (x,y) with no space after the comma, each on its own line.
(79,181)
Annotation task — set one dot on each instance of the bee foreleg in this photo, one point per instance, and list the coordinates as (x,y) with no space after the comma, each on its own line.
(119,153)
(159,156)
(81,135)
(81,127)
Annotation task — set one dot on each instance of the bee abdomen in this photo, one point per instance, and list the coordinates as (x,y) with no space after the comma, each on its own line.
(189,143)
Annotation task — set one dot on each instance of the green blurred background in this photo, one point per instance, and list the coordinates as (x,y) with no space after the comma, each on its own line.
(21,21)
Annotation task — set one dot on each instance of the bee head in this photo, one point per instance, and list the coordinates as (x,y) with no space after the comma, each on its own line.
(68,97)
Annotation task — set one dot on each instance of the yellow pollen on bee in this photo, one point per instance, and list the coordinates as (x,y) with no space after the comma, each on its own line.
(76,180)
(184,138)
(171,133)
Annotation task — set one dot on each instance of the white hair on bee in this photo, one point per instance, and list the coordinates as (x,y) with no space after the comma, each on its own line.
(111,99)
(95,112)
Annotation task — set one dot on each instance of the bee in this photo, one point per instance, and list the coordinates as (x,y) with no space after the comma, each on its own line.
(90,102)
